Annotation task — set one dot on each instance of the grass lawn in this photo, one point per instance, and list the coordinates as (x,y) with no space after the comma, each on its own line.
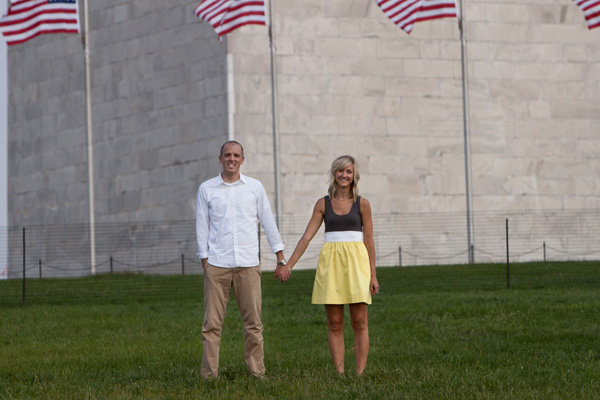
(439,332)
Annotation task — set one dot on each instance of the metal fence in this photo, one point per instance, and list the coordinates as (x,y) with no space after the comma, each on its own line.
(169,247)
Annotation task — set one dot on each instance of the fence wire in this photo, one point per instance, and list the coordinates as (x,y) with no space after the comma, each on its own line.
(410,239)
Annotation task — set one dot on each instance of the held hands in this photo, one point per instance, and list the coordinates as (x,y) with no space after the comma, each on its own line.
(282,272)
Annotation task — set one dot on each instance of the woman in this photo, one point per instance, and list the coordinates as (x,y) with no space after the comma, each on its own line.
(346,268)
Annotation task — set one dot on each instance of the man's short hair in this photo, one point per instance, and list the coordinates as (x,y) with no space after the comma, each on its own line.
(231,142)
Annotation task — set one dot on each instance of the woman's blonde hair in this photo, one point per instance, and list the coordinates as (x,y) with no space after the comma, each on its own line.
(340,163)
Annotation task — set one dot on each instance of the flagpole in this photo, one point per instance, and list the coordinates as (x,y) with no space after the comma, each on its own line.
(466,134)
(230,97)
(90,142)
(274,118)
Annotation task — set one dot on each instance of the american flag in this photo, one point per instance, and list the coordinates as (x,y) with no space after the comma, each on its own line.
(405,13)
(27,19)
(227,15)
(591,10)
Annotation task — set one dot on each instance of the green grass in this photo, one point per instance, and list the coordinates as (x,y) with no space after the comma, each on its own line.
(443,332)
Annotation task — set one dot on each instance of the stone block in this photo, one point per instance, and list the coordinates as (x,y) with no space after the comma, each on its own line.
(299,10)
(413,86)
(513,12)
(430,68)
(369,67)
(521,90)
(395,48)
(574,110)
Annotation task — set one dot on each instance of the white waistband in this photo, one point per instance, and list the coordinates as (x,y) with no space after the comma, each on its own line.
(344,236)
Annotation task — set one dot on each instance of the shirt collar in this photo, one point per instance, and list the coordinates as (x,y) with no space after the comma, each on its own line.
(241,180)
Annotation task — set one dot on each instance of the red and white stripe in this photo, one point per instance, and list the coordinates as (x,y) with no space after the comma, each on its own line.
(27,19)
(591,11)
(404,13)
(228,15)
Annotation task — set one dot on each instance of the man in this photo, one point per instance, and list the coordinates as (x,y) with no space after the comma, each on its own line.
(228,208)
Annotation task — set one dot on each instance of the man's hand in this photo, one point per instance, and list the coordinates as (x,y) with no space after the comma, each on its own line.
(282,272)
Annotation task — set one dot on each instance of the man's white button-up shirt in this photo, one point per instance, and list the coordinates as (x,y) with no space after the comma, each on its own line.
(226,222)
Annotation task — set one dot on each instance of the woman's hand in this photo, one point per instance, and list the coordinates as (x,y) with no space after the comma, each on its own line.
(282,272)
(374,285)
(285,274)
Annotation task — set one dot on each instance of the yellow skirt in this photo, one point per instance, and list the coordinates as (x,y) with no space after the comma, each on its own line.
(343,274)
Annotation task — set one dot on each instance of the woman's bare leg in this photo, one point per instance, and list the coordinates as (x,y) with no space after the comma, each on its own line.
(335,325)
(360,326)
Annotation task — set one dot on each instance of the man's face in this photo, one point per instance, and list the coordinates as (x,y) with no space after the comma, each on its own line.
(231,158)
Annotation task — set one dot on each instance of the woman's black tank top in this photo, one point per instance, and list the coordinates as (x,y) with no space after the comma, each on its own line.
(349,222)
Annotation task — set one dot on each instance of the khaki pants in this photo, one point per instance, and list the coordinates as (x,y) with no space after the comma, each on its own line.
(246,285)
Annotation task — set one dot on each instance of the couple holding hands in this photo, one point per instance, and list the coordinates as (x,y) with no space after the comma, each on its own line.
(227,209)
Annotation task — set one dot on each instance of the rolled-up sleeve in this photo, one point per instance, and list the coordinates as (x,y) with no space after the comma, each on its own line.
(265,216)
(202,223)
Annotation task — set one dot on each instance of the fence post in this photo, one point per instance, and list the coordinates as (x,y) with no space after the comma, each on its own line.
(111,264)
(182,265)
(544,251)
(507,258)
(24,265)
(399,256)
(40,267)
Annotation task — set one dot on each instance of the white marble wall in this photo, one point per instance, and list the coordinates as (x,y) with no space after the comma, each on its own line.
(349,81)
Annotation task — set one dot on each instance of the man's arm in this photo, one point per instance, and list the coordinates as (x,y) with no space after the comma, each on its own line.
(265,216)
(280,257)
(202,225)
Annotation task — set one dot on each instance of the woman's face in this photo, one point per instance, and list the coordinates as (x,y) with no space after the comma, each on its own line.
(344,176)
